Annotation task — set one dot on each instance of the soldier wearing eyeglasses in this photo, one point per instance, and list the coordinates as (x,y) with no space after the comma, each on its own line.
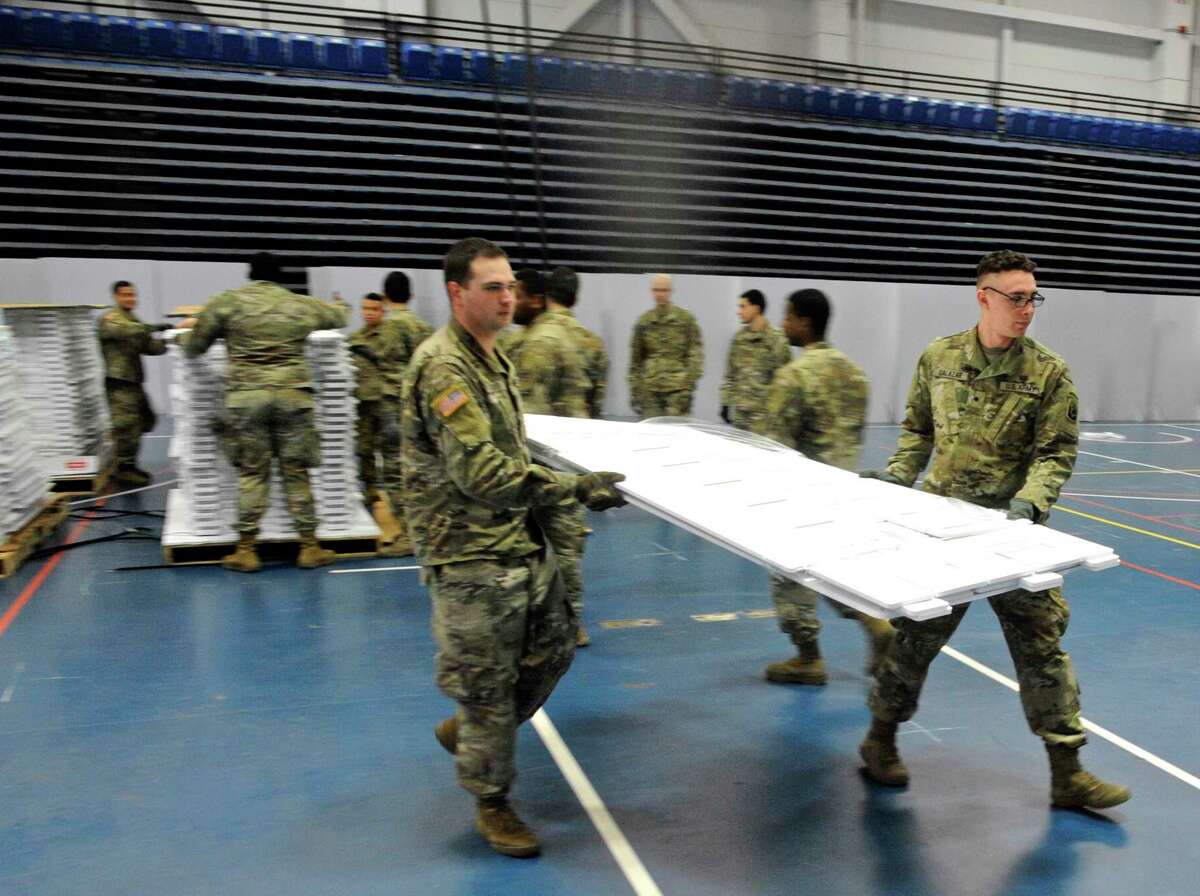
(998,413)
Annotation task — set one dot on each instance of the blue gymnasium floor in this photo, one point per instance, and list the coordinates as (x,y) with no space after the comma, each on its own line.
(195,731)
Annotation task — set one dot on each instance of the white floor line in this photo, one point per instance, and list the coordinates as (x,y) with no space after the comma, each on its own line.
(1161,764)
(131,491)
(342,572)
(1131,497)
(1122,460)
(627,860)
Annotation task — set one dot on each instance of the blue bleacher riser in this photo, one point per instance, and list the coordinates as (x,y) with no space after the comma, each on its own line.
(550,72)
(940,113)
(336,54)
(615,79)
(893,109)
(845,103)
(302,51)
(196,41)
(1100,131)
(918,110)
(676,86)
(46,29)
(10,26)
(83,32)
(1189,141)
(1016,122)
(266,48)
(820,99)
(770,94)
(987,119)
(231,45)
(418,61)
(703,87)
(582,76)
(371,57)
(870,105)
(512,70)
(162,38)
(741,92)
(482,67)
(792,98)
(1061,124)
(449,65)
(124,36)
(647,83)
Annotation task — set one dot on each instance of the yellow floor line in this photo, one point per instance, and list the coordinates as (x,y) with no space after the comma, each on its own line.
(1100,519)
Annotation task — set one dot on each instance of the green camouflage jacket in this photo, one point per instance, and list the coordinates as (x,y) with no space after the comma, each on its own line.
(550,368)
(369,382)
(666,354)
(996,432)
(468,477)
(403,331)
(753,359)
(595,364)
(264,327)
(817,404)
(123,341)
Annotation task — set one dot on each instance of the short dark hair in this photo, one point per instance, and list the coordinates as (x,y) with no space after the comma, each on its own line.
(814,305)
(372,297)
(120,284)
(755,297)
(563,286)
(1004,260)
(396,287)
(457,266)
(534,281)
(265,266)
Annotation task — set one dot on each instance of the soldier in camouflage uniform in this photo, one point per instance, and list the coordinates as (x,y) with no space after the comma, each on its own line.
(562,291)
(123,341)
(998,413)
(269,400)
(504,628)
(366,348)
(666,356)
(403,332)
(756,352)
(818,406)
(552,379)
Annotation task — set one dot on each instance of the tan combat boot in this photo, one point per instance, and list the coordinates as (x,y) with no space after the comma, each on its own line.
(881,758)
(1073,788)
(881,635)
(446,732)
(582,638)
(805,668)
(129,474)
(244,557)
(503,830)
(312,554)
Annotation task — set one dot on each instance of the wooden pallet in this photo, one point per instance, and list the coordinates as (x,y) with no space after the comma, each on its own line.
(344,548)
(85,485)
(26,540)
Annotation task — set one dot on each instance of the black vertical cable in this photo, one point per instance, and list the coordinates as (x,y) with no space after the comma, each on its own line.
(535,145)
(495,73)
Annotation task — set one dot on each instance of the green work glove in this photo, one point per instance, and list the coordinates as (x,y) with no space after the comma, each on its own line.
(1020,509)
(882,476)
(599,490)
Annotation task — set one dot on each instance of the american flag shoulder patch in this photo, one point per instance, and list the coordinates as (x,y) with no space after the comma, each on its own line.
(450,401)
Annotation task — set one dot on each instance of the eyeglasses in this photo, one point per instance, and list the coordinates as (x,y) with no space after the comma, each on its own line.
(1020,300)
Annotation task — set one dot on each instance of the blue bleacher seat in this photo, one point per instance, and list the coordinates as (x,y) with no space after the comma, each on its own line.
(791,97)
(1061,124)
(1016,122)
(893,108)
(962,116)
(820,99)
(301,51)
(1039,123)
(336,54)
(1080,129)
(582,76)
(512,70)
(616,80)
(1122,133)
(939,113)
(647,82)
(987,119)
(371,57)
(1099,131)
(162,38)
(83,32)
(267,48)
(231,45)
(124,36)
(870,105)
(47,29)
(483,69)
(10,26)
(450,64)
(918,110)
(845,103)
(676,86)
(1189,140)
(551,74)
(418,61)
(1145,134)
(703,87)
(770,94)
(196,41)
(741,92)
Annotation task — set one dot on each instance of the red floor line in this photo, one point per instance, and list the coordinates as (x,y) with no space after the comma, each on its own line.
(1162,575)
(1152,519)
(35,583)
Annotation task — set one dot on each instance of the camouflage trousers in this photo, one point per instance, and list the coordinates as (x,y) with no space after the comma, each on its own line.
(1033,626)
(796,610)
(131,416)
(749,419)
(266,424)
(667,404)
(505,635)
(565,527)
(368,427)
(389,452)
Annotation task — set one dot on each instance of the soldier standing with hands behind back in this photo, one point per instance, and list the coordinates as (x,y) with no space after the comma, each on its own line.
(123,341)
(756,352)
(504,628)
(666,356)
(998,413)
